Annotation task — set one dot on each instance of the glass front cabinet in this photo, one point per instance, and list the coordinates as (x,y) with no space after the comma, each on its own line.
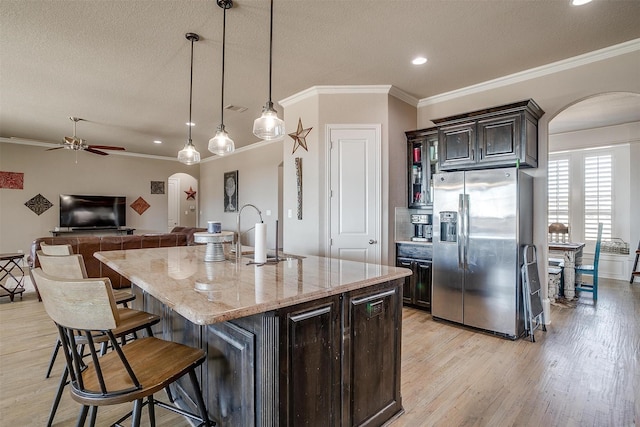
(422,164)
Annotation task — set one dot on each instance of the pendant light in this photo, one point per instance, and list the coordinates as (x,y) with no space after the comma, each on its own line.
(189,155)
(269,126)
(221,144)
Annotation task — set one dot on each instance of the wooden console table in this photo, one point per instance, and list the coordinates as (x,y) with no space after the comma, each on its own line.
(9,262)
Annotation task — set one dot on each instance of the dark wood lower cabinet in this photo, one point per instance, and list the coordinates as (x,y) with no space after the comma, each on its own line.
(310,364)
(372,353)
(334,361)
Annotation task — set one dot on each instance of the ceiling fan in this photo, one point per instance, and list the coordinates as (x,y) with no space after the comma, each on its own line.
(78,144)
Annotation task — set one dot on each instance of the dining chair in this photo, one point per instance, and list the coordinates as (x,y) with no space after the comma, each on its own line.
(558,232)
(591,270)
(72,267)
(129,373)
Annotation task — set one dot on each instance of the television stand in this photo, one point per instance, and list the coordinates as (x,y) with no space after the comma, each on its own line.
(91,231)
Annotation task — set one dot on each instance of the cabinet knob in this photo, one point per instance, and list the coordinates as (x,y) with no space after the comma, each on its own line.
(373,242)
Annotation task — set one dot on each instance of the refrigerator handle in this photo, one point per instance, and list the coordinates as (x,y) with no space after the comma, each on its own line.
(460,232)
(466,231)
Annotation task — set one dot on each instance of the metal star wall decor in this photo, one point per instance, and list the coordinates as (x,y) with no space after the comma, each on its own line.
(299,137)
(191,193)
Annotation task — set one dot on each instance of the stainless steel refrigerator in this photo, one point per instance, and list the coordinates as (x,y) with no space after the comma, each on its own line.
(481,220)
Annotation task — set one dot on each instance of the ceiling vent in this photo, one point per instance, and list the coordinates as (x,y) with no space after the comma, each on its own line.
(235,108)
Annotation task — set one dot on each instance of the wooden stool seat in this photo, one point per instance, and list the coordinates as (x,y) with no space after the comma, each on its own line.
(157,363)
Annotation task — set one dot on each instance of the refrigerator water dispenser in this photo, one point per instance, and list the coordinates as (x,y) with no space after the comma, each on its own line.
(448,226)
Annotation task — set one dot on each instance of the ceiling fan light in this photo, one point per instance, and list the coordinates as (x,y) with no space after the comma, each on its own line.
(221,144)
(268,126)
(189,155)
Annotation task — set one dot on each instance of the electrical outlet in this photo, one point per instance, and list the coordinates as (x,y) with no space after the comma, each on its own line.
(290,213)
(268,212)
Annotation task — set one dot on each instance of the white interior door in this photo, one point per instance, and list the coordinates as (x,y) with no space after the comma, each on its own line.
(355,192)
(173,217)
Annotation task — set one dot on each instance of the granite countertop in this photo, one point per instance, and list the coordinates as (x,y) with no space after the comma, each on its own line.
(211,292)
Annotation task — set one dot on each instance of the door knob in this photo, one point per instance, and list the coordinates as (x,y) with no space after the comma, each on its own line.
(372,242)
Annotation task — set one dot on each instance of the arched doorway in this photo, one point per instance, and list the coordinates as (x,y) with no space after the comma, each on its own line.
(598,127)
(182,210)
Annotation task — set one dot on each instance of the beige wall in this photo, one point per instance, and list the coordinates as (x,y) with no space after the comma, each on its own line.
(52,173)
(318,110)
(258,184)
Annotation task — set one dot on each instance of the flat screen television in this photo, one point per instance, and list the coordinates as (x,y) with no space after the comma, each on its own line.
(92,211)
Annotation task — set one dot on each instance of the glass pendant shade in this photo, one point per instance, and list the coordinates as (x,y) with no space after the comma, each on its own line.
(268,126)
(189,155)
(221,144)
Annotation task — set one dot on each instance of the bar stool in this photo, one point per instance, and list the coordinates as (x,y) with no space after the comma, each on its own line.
(71,267)
(131,373)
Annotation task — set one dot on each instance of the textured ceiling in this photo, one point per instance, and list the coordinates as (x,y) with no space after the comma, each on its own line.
(124,65)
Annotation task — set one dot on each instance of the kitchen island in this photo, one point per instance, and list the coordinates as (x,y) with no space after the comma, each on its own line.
(306,341)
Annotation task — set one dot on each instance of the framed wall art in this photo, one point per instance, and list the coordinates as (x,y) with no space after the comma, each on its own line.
(231,191)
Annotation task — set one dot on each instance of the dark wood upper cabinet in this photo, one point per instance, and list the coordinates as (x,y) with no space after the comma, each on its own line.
(422,162)
(501,136)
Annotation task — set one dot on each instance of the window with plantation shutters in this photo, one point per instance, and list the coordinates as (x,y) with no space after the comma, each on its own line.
(558,191)
(598,195)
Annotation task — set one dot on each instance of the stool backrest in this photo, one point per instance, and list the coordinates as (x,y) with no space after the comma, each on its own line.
(55,249)
(82,304)
(65,267)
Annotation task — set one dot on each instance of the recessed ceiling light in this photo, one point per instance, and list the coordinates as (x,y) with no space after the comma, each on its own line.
(190,124)
(157,141)
(580,2)
(419,60)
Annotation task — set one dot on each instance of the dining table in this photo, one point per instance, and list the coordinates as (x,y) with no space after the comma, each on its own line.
(571,254)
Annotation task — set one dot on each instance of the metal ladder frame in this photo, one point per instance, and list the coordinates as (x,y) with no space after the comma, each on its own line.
(530,276)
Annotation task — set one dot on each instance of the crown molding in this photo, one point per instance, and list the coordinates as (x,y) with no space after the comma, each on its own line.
(554,67)
(350,90)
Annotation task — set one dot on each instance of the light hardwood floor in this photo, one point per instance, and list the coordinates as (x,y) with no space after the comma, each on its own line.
(583,371)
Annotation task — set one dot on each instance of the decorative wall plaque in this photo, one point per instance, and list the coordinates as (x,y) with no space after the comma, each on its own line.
(38,204)
(191,193)
(157,187)
(299,184)
(140,205)
(12,180)
(299,137)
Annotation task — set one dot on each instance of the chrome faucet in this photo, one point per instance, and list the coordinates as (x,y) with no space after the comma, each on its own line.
(238,240)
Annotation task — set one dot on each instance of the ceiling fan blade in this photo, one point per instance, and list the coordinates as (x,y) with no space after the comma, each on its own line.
(91,150)
(106,147)
(54,148)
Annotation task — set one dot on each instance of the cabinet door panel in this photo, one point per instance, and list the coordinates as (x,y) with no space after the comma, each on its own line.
(422,290)
(310,365)
(374,322)
(457,146)
(407,291)
(422,164)
(498,140)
